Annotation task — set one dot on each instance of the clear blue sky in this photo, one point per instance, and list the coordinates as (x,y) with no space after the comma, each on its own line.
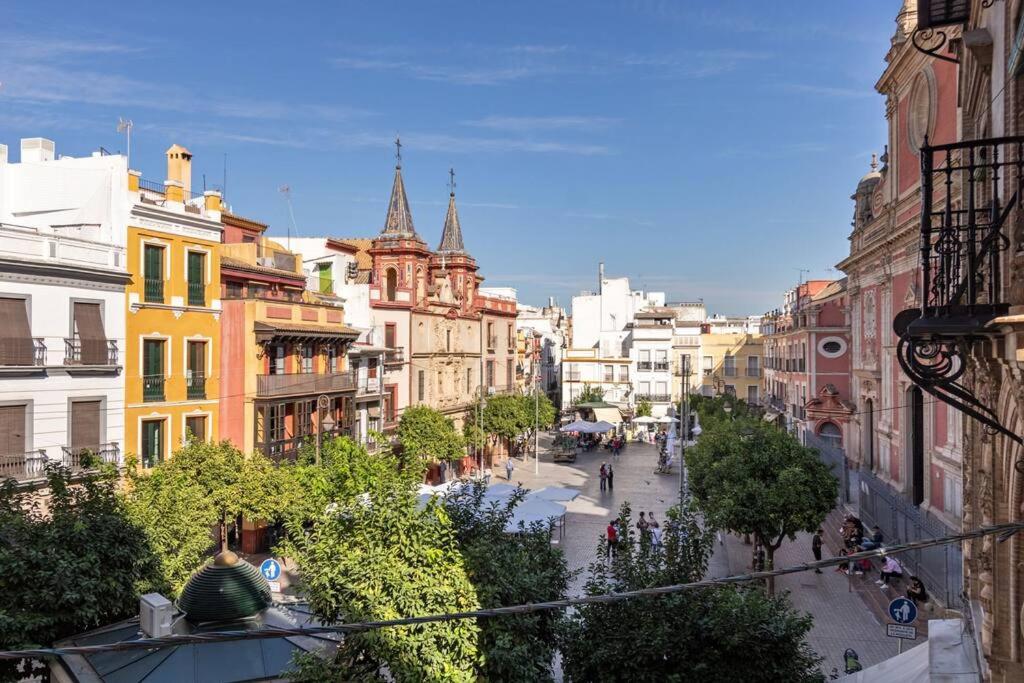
(705,149)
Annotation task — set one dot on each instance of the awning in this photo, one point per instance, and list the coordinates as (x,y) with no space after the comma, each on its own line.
(303,332)
(949,654)
(608,415)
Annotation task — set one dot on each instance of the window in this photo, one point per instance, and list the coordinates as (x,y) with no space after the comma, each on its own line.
(325,282)
(448,340)
(390,284)
(195,372)
(729,365)
(661,360)
(195,426)
(331,351)
(952,496)
(644,359)
(153,370)
(277,356)
(623,373)
(420,381)
(511,337)
(832,347)
(661,389)
(492,341)
(12,429)
(152,447)
(16,343)
(389,335)
(307,358)
(153,273)
(85,425)
(89,345)
(440,383)
(233,290)
(752,394)
(867,438)
(196,279)
(509,373)
(275,421)
(304,417)
(609,373)
(371,368)
(392,404)
(753,366)
(709,365)
(645,388)
(490,374)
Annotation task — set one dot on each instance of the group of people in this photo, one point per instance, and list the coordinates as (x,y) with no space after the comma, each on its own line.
(856,540)
(650,533)
(607,474)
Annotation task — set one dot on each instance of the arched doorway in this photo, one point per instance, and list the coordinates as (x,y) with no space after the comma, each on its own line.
(831,433)
(390,284)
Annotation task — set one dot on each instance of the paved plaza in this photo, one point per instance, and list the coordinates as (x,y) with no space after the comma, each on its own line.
(841,619)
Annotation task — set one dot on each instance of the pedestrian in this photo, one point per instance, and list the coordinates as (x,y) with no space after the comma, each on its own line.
(616,445)
(612,534)
(604,476)
(655,530)
(508,469)
(644,526)
(916,592)
(487,476)
(891,569)
(875,541)
(443,470)
(816,548)
(611,477)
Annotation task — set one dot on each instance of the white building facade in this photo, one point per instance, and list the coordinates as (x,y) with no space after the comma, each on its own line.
(62,303)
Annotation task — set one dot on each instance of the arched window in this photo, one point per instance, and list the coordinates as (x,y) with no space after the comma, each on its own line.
(867,439)
(421,285)
(390,284)
(831,432)
(915,443)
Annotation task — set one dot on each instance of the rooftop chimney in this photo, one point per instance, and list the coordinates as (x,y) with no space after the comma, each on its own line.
(34,150)
(551,302)
(179,167)
(600,275)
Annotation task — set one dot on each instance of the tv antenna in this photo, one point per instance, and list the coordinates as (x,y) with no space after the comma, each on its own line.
(800,274)
(125,126)
(286,191)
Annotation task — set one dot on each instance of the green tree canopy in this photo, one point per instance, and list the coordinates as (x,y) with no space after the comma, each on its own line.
(426,433)
(720,634)
(590,394)
(70,565)
(643,408)
(752,478)
(510,569)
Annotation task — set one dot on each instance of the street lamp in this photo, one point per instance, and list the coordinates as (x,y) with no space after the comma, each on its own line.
(323,403)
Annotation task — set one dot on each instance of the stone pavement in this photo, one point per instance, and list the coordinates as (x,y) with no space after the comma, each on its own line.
(841,619)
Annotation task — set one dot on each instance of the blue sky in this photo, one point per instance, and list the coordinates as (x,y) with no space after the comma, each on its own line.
(705,149)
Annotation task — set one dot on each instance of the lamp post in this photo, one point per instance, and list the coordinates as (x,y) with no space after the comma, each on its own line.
(684,424)
(323,403)
(536,422)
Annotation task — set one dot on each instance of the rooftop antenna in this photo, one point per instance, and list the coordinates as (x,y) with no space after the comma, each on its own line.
(286,190)
(125,126)
(800,276)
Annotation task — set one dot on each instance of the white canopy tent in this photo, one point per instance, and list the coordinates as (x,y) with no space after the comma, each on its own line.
(534,509)
(644,420)
(560,494)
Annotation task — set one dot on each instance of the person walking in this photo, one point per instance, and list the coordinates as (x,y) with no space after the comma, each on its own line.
(443,470)
(612,533)
(655,530)
(816,548)
(508,469)
(644,526)
(611,477)
(603,473)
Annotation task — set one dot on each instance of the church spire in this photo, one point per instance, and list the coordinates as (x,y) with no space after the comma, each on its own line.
(399,218)
(451,236)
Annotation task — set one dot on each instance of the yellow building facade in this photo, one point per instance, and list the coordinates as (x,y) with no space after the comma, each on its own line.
(731,363)
(172,354)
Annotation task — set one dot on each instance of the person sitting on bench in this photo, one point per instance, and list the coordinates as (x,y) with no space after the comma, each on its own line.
(891,569)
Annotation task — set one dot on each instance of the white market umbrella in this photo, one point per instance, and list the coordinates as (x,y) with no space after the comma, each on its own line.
(500,491)
(665,419)
(577,426)
(560,494)
(644,420)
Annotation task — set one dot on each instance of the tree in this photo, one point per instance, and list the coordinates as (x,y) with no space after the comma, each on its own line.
(70,565)
(539,410)
(752,478)
(377,556)
(510,569)
(177,516)
(590,394)
(716,634)
(643,408)
(426,433)
(233,483)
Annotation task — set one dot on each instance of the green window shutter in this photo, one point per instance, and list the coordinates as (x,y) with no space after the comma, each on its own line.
(195,267)
(324,271)
(153,357)
(154,263)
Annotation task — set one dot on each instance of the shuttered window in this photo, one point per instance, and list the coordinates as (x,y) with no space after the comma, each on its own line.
(196,281)
(153,370)
(153,434)
(16,346)
(196,427)
(153,263)
(90,334)
(12,430)
(85,425)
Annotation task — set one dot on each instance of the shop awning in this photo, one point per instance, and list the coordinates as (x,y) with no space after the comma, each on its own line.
(610,414)
(298,332)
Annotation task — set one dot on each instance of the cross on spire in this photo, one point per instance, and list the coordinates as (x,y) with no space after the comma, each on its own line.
(398,152)
(451,181)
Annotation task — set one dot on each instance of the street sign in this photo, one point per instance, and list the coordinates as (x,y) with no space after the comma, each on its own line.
(271,569)
(903,611)
(901,631)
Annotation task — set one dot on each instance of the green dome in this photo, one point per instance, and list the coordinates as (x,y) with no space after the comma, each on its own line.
(226,590)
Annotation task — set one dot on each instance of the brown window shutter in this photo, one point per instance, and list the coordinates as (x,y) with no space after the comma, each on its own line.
(16,347)
(12,430)
(89,327)
(85,425)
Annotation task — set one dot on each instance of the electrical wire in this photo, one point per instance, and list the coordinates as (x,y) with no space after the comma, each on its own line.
(1004,530)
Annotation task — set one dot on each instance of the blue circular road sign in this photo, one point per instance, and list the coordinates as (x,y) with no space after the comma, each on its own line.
(903,610)
(271,569)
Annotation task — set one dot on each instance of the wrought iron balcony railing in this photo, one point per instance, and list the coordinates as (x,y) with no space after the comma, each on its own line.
(21,466)
(969,189)
(644,365)
(394,356)
(196,293)
(152,388)
(661,366)
(654,398)
(153,290)
(195,386)
(73,353)
(84,458)
(271,386)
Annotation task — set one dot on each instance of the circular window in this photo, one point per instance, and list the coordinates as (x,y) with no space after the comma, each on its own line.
(832,347)
(921,111)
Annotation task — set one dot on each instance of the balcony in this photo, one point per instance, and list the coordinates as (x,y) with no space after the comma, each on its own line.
(368,385)
(73,353)
(153,388)
(154,290)
(16,356)
(492,343)
(394,356)
(572,376)
(654,398)
(196,293)
(195,386)
(728,371)
(644,365)
(83,459)
(22,466)
(280,386)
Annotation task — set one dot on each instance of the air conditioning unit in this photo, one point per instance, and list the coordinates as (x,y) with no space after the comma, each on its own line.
(156,615)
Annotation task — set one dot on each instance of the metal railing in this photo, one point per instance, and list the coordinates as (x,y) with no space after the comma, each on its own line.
(369,385)
(153,387)
(298,384)
(11,354)
(394,356)
(21,466)
(654,398)
(196,293)
(753,372)
(644,365)
(154,290)
(73,352)
(195,384)
(729,371)
(661,366)
(84,458)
